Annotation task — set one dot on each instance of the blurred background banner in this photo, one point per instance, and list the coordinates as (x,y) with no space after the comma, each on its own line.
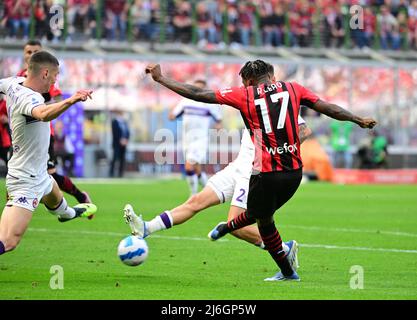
(73,130)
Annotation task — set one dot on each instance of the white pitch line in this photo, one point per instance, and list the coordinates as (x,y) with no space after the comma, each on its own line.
(376,231)
(109,181)
(119,234)
(326,246)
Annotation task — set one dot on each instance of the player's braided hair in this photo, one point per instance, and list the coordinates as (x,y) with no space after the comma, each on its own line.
(256,69)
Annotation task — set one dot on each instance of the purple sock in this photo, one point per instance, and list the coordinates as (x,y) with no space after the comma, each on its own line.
(2,248)
(166,220)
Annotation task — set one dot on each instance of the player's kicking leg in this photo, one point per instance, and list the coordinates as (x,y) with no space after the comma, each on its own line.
(66,185)
(251,234)
(64,182)
(248,233)
(273,243)
(56,204)
(13,224)
(238,206)
(202,200)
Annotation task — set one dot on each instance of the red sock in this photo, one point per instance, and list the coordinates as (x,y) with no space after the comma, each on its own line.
(273,243)
(66,185)
(240,221)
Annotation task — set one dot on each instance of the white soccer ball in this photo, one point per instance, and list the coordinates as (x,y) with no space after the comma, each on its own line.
(133,251)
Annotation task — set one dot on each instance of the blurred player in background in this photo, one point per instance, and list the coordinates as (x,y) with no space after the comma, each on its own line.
(197,118)
(28,181)
(54,94)
(270,110)
(121,135)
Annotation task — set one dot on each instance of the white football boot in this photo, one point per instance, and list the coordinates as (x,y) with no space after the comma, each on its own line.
(136,223)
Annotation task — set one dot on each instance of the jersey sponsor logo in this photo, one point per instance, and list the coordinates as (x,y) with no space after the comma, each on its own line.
(22,200)
(35,202)
(284,149)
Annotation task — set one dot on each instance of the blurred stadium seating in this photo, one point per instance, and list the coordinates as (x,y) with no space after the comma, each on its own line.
(212,24)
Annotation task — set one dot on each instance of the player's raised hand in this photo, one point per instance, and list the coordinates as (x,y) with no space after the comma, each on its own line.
(367,123)
(82,95)
(154,70)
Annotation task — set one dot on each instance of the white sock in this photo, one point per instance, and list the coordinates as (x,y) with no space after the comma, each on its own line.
(63,210)
(203,179)
(193,183)
(161,222)
(285,247)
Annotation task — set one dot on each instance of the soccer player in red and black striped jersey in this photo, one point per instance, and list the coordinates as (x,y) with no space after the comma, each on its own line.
(64,182)
(270,110)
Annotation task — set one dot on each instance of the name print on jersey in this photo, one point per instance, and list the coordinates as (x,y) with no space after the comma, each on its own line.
(270,88)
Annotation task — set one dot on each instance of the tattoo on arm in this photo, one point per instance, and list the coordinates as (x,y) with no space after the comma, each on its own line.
(189,91)
(304,132)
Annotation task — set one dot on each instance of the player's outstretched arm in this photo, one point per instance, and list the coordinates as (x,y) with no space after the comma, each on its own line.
(185,90)
(338,113)
(54,110)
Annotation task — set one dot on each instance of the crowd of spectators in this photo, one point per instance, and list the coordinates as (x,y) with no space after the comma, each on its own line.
(386,24)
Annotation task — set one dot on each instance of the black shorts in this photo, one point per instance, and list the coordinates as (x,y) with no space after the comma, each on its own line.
(269,191)
(52,157)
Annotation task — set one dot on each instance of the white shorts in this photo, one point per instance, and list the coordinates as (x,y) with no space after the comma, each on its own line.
(196,152)
(26,192)
(231,185)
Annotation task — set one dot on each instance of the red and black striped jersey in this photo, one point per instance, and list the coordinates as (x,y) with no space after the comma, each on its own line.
(270,112)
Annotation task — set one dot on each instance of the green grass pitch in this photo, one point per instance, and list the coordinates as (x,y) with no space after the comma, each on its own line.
(338,227)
